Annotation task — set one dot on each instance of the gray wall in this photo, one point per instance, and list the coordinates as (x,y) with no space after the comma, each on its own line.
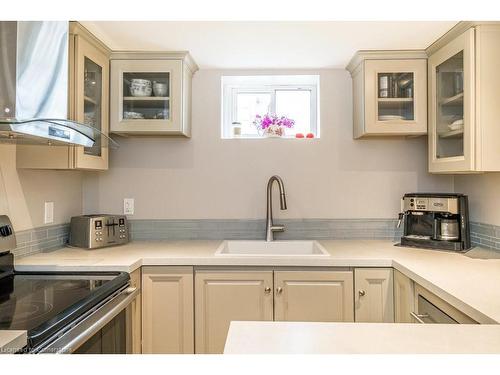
(23,192)
(484,196)
(207,177)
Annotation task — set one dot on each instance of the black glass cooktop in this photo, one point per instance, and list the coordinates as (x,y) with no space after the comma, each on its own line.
(44,303)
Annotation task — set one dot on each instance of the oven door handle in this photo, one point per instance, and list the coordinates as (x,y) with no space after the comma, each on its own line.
(419,317)
(73,338)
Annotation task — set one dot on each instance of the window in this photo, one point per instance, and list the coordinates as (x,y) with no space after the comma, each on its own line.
(244,97)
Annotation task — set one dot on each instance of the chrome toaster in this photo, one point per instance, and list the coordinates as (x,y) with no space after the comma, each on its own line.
(95,231)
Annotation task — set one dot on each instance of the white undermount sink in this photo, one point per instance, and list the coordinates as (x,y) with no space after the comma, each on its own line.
(274,248)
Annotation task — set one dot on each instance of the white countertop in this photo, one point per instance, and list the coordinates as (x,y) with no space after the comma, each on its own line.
(361,338)
(468,284)
(12,341)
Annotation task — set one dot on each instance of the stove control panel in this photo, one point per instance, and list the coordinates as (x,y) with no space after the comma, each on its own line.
(94,231)
(7,237)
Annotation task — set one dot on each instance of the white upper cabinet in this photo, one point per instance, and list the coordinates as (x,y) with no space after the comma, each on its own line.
(389,93)
(151,93)
(464,86)
(88,104)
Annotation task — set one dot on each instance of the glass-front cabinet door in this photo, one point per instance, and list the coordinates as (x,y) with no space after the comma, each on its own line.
(395,97)
(91,101)
(146,96)
(451,104)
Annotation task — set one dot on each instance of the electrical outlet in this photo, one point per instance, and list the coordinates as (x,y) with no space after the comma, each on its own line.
(49,213)
(128,206)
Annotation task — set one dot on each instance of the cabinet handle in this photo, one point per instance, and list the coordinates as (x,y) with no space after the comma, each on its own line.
(419,317)
(279,290)
(361,293)
(267,290)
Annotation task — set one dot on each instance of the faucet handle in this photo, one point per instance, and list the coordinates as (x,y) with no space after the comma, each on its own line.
(278,228)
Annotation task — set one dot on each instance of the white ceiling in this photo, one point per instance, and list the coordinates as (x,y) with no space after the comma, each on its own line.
(268,44)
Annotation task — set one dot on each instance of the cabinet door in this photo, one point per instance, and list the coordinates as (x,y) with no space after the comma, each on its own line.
(395,97)
(225,296)
(90,87)
(147,97)
(167,322)
(313,296)
(134,316)
(373,296)
(440,311)
(403,298)
(451,105)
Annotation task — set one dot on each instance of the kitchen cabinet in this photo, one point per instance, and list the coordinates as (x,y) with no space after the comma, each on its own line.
(225,295)
(403,298)
(135,315)
(374,295)
(429,308)
(314,296)
(151,93)
(464,84)
(167,298)
(389,93)
(222,296)
(88,104)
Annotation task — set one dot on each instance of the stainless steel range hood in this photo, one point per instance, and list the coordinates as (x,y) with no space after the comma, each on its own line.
(34,73)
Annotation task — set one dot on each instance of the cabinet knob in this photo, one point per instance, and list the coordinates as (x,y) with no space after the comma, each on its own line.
(267,290)
(279,290)
(361,293)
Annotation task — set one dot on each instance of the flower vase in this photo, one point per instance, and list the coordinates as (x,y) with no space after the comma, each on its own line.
(274,131)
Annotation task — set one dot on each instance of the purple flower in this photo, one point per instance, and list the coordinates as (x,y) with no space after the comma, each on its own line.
(271,119)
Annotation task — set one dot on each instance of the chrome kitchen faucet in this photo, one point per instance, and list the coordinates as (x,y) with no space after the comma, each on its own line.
(270,227)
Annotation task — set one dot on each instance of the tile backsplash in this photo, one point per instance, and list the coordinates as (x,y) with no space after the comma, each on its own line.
(41,239)
(255,229)
(52,237)
(485,235)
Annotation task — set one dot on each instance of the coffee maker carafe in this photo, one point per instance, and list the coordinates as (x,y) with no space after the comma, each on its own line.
(437,221)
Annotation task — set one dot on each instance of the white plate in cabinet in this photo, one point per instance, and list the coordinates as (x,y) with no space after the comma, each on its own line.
(389,93)
(164,106)
(464,86)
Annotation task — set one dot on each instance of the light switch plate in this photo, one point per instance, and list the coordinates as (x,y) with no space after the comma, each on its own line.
(128,206)
(49,213)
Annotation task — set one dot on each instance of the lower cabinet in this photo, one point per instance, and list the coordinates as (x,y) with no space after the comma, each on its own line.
(223,296)
(373,296)
(187,310)
(429,308)
(167,297)
(135,315)
(313,296)
(403,298)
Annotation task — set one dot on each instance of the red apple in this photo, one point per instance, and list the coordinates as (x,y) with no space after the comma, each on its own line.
(299,135)
(310,135)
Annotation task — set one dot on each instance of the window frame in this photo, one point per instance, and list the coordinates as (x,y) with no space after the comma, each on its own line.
(234,85)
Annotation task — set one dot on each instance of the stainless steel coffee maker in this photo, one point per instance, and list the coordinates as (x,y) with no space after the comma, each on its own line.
(436,221)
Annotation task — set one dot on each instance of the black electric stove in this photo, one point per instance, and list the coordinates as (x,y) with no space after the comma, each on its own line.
(45,303)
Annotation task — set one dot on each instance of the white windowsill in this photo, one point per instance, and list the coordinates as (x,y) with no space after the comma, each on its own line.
(265,138)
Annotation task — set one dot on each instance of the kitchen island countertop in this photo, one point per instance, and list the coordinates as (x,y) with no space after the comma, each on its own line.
(361,338)
(12,341)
